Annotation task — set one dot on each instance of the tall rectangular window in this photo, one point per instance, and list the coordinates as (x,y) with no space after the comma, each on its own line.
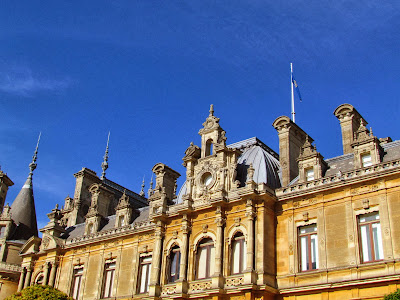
(76,282)
(366,160)
(205,259)
(174,264)
(370,237)
(238,257)
(144,274)
(109,273)
(308,247)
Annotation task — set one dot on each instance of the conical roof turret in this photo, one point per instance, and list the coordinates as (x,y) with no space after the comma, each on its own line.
(23,211)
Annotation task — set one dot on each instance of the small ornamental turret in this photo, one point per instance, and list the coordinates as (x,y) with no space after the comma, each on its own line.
(54,227)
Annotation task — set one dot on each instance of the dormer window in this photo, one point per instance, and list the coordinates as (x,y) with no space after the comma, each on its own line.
(309,174)
(121,221)
(366,160)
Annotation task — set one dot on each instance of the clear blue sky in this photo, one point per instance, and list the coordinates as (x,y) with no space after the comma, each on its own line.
(148,71)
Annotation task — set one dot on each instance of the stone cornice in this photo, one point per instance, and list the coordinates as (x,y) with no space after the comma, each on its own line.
(339,180)
(10,267)
(110,234)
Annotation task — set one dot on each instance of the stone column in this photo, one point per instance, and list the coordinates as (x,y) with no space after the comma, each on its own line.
(53,271)
(250,215)
(156,260)
(46,273)
(28,277)
(220,221)
(21,279)
(184,250)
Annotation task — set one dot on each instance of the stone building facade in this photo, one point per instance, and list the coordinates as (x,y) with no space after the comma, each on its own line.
(247,223)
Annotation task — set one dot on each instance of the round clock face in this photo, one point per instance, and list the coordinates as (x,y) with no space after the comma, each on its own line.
(207,179)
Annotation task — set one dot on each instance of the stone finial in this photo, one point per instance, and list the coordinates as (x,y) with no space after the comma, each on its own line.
(150,191)
(33,165)
(142,190)
(104,164)
(211,110)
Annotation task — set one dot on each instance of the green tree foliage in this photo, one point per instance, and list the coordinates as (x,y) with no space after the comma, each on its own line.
(42,292)
(393,296)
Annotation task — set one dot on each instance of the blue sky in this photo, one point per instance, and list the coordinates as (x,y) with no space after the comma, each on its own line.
(148,70)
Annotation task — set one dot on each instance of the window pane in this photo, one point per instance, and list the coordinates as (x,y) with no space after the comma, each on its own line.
(178,264)
(244,249)
(365,243)
(202,262)
(107,284)
(377,235)
(2,231)
(235,257)
(211,261)
(314,251)
(310,174)
(304,254)
(366,160)
(173,263)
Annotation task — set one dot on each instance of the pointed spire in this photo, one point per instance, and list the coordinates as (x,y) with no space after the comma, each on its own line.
(142,190)
(211,110)
(104,164)
(23,208)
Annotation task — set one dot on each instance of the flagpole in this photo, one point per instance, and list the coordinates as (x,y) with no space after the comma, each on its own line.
(291,85)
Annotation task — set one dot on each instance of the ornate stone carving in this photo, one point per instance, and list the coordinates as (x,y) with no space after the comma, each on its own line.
(199,286)
(234,281)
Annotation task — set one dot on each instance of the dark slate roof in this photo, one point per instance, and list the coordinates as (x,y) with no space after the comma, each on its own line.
(392,151)
(136,200)
(78,230)
(23,213)
(264,160)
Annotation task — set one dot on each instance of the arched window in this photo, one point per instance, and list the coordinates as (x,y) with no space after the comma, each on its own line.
(238,254)
(205,259)
(209,147)
(174,264)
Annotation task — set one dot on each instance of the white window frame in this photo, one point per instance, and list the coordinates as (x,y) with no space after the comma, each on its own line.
(370,237)
(76,282)
(308,248)
(109,277)
(144,274)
